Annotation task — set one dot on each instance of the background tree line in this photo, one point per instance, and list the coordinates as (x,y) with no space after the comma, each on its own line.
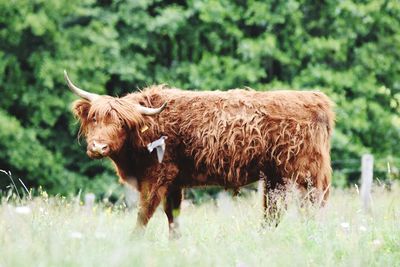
(348,49)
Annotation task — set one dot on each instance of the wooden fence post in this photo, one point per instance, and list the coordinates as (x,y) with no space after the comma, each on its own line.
(367,170)
(89,202)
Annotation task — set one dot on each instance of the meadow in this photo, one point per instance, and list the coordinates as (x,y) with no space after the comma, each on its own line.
(57,231)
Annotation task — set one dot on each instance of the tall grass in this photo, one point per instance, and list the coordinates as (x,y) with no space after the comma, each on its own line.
(62,232)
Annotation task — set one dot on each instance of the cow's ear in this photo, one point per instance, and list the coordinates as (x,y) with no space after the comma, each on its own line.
(81,108)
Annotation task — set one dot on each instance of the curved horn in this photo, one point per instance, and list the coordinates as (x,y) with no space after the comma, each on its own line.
(150,111)
(79,92)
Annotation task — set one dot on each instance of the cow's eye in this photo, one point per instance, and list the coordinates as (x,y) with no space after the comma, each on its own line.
(94,119)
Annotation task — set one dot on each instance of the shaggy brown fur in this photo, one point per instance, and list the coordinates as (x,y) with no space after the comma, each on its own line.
(214,138)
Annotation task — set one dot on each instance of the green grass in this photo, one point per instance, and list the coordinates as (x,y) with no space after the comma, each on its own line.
(61,232)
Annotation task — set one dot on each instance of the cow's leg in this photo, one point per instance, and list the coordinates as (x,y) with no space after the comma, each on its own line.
(312,178)
(172,205)
(273,198)
(153,188)
(150,197)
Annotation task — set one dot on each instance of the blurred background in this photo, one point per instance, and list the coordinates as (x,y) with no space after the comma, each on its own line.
(348,49)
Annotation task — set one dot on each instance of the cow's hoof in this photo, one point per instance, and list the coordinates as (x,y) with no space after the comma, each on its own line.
(138,232)
(174,234)
(270,223)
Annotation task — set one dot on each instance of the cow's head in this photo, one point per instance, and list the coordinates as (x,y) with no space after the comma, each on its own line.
(106,121)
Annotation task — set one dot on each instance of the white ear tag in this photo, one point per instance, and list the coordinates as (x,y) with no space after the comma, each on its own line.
(159,145)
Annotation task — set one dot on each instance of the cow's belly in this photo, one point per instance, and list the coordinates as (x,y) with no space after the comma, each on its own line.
(191,175)
(202,179)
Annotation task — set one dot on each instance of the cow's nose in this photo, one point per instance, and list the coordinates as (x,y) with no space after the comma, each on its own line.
(99,148)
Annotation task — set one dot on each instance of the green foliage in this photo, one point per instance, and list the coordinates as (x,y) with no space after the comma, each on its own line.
(348,49)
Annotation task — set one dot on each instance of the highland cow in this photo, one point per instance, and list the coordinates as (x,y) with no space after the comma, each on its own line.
(224,138)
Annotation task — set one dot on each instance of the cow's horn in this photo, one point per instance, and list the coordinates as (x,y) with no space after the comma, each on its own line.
(150,111)
(79,92)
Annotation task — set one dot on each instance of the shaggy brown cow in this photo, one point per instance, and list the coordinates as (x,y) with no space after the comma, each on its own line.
(213,138)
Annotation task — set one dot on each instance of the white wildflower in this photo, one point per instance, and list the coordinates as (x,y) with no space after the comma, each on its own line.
(362,228)
(377,243)
(345,225)
(23,210)
(76,235)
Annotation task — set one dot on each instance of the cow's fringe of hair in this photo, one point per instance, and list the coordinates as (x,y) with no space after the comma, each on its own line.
(117,111)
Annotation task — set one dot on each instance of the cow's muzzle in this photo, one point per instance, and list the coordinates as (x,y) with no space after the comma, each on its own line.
(98,150)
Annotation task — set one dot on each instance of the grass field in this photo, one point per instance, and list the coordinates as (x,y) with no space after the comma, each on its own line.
(61,232)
